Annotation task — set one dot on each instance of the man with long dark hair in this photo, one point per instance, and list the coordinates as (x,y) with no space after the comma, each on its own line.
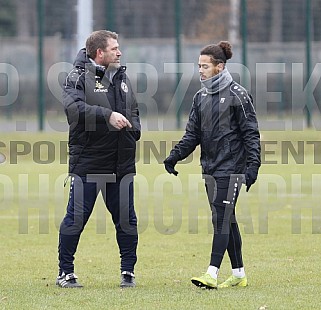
(223,122)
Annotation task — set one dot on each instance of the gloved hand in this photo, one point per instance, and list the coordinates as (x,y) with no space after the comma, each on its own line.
(170,163)
(250,176)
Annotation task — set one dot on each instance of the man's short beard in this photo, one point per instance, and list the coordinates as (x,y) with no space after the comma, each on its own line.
(113,65)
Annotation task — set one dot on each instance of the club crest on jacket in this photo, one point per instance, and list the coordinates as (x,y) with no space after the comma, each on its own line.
(124,87)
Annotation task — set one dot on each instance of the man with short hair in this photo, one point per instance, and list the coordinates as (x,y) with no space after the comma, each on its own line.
(104,126)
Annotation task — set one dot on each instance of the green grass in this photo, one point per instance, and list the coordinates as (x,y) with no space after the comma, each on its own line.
(279,220)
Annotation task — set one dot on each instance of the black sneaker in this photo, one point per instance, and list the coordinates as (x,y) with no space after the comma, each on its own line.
(68,281)
(127,279)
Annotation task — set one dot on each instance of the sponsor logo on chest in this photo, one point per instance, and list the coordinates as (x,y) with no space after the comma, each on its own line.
(100,88)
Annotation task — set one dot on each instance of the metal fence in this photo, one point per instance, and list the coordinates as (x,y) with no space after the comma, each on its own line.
(279,49)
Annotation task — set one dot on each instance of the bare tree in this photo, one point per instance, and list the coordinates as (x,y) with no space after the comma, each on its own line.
(214,25)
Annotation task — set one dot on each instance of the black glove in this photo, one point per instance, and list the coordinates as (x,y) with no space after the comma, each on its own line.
(170,163)
(250,176)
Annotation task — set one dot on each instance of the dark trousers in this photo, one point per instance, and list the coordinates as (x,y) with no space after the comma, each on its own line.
(222,195)
(119,200)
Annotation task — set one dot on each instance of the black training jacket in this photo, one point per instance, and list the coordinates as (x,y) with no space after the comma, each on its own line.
(95,147)
(225,126)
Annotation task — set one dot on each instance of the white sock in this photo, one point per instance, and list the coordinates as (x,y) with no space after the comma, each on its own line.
(213,271)
(238,272)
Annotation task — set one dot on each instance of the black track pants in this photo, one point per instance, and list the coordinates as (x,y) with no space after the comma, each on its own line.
(222,195)
(118,197)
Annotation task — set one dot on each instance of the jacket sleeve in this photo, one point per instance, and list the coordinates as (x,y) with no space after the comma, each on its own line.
(191,138)
(74,102)
(135,115)
(248,125)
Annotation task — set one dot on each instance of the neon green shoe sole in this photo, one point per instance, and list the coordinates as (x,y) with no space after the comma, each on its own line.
(205,281)
(234,281)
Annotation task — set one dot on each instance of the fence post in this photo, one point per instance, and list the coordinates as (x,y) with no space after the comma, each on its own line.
(110,12)
(41,99)
(244,40)
(178,15)
(308,29)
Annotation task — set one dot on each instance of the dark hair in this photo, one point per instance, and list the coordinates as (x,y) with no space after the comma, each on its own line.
(219,53)
(98,39)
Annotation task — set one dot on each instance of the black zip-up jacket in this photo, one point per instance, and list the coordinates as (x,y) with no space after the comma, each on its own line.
(224,124)
(89,98)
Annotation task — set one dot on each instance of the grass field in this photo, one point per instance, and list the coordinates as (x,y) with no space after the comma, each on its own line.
(279,219)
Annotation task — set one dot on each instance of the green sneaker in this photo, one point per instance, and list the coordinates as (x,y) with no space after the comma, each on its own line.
(206,281)
(234,281)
